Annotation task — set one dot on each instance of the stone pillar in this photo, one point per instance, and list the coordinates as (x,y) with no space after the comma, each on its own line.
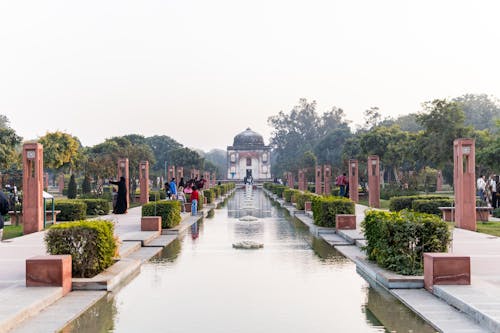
(144,181)
(373,181)
(327,175)
(353,180)
(439,181)
(318,176)
(302,180)
(32,187)
(180,173)
(171,173)
(123,171)
(60,183)
(289,180)
(214,179)
(464,157)
(206,176)
(192,174)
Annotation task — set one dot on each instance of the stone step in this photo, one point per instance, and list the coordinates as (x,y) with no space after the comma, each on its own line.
(128,247)
(162,241)
(351,235)
(112,277)
(144,237)
(335,240)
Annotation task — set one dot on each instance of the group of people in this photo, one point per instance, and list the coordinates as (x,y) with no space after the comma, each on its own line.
(487,190)
(178,192)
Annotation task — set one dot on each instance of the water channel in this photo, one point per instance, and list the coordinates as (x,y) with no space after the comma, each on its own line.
(295,283)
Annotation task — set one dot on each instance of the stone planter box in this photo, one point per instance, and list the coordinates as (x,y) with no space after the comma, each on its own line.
(345,222)
(187,207)
(151,223)
(446,268)
(307,206)
(49,271)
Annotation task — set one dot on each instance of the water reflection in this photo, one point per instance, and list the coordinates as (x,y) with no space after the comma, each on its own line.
(249,203)
(284,287)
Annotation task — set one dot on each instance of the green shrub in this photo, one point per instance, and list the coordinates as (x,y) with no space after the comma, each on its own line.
(91,244)
(325,209)
(398,240)
(210,195)
(290,195)
(496,212)
(96,206)
(86,185)
(71,209)
(216,191)
(335,191)
(72,188)
(302,198)
(431,206)
(169,210)
(406,202)
(395,190)
(201,201)
(157,195)
(278,190)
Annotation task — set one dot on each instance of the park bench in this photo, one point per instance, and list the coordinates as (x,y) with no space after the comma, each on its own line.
(14,216)
(482,213)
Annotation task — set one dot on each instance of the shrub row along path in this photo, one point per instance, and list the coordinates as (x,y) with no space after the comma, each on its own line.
(478,304)
(43,309)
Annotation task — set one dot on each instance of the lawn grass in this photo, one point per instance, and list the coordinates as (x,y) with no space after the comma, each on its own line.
(490,228)
(11,231)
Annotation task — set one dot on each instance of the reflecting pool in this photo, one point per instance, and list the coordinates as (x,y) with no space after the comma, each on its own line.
(296,283)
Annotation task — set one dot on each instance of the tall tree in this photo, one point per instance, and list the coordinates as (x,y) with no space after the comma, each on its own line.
(10,156)
(481,111)
(443,122)
(59,149)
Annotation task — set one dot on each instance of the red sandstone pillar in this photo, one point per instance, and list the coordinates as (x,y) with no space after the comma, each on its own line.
(180,173)
(123,171)
(373,181)
(327,174)
(289,180)
(144,181)
(318,185)
(171,173)
(439,181)
(192,174)
(464,158)
(32,187)
(206,176)
(60,183)
(353,180)
(302,180)
(46,181)
(214,179)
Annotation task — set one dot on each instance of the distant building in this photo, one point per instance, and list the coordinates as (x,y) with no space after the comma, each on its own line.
(249,157)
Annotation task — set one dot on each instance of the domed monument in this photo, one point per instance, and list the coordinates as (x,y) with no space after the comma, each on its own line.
(249,157)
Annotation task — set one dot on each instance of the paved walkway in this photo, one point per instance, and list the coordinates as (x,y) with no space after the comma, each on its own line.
(17,302)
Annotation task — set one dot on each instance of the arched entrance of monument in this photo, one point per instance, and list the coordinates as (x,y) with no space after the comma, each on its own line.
(295,283)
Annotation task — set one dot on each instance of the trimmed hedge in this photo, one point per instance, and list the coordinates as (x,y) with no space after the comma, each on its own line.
(496,212)
(96,206)
(302,198)
(71,209)
(91,244)
(431,206)
(398,240)
(290,195)
(210,195)
(169,210)
(406,202)
(157,195)
(325,209)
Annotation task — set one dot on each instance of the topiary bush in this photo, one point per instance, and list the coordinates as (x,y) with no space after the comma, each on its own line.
(86,185)
(397,240)
(210,195)
(72,188)
(96,206)
(91,244)
(71,209)
(278,190)
(406,202)
(395,190)
(325,209)
(157,195)
(290,195)
(431,206)
(302,198)
(496,212)
(169,210)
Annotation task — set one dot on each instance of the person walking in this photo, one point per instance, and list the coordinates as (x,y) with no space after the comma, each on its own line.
(173,189)
(182,198)
(121,198)
(341,182)
(194,201)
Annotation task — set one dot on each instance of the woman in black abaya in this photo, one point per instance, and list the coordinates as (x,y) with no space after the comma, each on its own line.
(121,199)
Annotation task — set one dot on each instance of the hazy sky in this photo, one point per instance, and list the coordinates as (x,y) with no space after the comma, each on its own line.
(202,71)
